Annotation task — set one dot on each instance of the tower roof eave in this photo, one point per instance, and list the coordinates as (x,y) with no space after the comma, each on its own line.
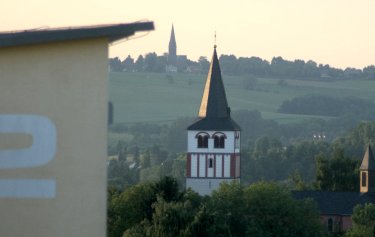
(217,124)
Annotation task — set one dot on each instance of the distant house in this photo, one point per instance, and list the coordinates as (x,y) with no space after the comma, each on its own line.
(336,208)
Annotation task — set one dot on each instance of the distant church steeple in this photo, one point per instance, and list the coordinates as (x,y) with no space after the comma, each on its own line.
(172,52)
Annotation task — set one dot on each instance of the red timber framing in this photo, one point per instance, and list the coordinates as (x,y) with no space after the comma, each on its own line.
(188,166)
(234,159)
(232,165)
(198,159)
(222,165)
(206,170)
(214,167)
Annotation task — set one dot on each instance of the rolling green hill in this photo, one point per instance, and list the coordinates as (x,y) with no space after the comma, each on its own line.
(156,97)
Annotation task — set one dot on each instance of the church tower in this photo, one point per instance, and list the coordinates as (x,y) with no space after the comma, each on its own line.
(367,172)
(172,52)
(213,152)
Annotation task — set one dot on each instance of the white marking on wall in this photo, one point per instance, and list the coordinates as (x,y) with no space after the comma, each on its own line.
(42,150)
(227,166)
(219,166)
(194,165)
(27,188)
(202,165)
(210,171)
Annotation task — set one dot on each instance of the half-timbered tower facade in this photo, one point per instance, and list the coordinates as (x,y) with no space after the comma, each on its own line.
(213,152)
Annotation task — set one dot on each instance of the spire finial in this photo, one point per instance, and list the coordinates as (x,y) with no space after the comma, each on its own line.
(215,40)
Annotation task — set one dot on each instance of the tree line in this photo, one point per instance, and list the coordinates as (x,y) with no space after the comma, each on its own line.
(329,106)
(159,150)
(160,209)
(231,65)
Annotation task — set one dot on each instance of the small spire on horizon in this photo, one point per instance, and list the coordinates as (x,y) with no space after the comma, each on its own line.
(215,40)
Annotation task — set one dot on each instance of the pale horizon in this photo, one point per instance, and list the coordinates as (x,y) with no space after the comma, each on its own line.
(340,33)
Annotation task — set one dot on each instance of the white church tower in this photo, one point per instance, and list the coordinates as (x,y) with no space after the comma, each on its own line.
(213,153)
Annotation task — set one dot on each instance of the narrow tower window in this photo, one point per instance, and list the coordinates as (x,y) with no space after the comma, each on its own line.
(210,163)
(364,179)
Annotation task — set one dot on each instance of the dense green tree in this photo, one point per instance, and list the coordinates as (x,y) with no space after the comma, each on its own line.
(170,219)
(130,208)
(136,205)
(228,64)
(300,157)
(226,205)
(369,72)
(355,141)
(204,64)
(115,64)
(329,106)
(159,209)
(271,211)
(128,64)
(146,159)
(202,225)
(337,173)
(139,64)
(142,229)
(120,175)
(363,221)
(167,188)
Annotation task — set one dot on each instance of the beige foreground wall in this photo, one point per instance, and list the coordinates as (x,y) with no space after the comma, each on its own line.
(53,126)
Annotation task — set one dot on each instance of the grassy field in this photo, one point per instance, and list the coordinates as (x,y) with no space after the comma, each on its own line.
(153,97)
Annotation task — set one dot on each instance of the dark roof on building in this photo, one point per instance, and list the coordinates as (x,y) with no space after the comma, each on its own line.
(112,32)
(214,113)
(336,203)
(368,162)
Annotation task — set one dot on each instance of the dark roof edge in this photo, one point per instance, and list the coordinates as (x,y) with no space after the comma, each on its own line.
(113,32)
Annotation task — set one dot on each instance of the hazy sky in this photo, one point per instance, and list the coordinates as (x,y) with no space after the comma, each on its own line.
(336,32)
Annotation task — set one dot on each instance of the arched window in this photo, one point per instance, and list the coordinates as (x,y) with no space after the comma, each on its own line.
(219,140)
(202,140)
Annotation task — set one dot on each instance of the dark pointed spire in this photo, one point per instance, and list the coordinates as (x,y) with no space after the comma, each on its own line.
(172,53)
(172,40)
(368,162)
(214,101)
